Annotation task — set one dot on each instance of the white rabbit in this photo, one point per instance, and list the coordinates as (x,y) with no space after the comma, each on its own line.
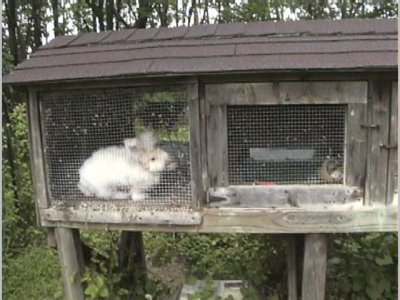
(135,166)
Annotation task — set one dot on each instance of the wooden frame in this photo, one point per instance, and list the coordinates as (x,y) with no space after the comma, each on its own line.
(349,217)
(378,136)
(392,147)
(118,213)
(218,96)
(286,93)
(36,151)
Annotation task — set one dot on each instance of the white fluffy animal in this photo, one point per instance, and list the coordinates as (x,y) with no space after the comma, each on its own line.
(136,166)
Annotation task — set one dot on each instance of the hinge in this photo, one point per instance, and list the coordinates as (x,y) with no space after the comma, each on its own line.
(370,126)
(387,147)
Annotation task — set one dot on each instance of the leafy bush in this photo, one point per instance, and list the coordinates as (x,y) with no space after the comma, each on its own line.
(363,266)
(19,218)
(259,259)
(35,275)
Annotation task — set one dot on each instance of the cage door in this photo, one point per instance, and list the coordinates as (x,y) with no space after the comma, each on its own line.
(291,138)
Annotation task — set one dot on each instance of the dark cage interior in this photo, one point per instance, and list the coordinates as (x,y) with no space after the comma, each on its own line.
(286,144)
(79,127)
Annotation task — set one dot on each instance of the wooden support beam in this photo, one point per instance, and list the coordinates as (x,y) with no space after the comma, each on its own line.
(71,258)
(322,219)
(292,267)
(132,262)
(314,268)
(286,93)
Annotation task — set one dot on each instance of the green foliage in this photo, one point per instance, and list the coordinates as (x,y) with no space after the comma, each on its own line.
(171,123)
(259,259)
(206,293)
(19,219)
(34,275)
(363,266)
(102,279)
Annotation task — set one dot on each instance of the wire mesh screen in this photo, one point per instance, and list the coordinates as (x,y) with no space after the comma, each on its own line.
(286,144)
(125,145)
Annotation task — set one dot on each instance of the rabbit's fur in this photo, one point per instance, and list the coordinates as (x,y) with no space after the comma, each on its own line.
(135,166)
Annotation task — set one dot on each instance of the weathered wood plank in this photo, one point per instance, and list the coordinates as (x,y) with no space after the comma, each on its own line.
(217,146)
(240,93)
(322,92)
(198,194)
(292,267)
(356,145)
(287,93)
(109,214)
(283,195)
(203,140)
(328,219)
(393,143)
(314,268)
(379,116)
(70,253)
(36,146)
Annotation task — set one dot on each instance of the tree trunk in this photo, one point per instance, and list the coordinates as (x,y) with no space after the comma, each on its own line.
(206,18)
(118,15)
(162,10)
(343,9)
(195,13)
(94,16)
(12,30)
(37,30)
(143,14)
(54,5)
(97,14)
(177,13)
(110,14)
(100,14)
(131,261)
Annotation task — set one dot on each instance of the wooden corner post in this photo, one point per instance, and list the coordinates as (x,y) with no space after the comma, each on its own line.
(71,258)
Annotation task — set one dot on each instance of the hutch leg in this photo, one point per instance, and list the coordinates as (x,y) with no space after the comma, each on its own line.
(132,262)
(292,267)
(70,253)
(314,268)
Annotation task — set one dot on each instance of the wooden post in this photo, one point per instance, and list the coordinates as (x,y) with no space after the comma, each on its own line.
(314,268)
(292,267)
(132,262)
(70,253)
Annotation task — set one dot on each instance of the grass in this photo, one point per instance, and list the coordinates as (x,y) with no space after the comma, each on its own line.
(34,274)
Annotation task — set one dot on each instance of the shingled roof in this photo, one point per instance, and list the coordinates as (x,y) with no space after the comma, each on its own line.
(210,49)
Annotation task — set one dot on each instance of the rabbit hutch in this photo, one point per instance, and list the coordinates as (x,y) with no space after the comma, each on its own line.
(271,127)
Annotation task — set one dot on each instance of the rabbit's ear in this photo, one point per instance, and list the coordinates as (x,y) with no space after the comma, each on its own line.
(130,143)
(147,140)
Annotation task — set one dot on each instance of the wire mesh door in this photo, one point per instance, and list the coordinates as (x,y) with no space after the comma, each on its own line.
(285,144)
(120,145)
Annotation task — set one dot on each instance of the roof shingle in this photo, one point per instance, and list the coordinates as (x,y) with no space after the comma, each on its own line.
(254,47)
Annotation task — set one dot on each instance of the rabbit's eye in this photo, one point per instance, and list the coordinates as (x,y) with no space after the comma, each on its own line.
(153,159)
